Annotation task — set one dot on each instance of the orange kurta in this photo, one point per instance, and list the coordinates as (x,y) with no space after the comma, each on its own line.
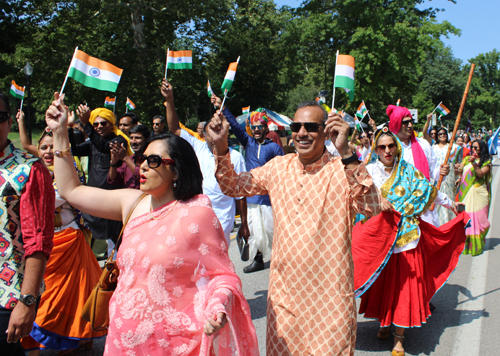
(311,307)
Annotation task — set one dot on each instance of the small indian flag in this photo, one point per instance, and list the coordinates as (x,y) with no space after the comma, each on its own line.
(229,78)
(129,104)
(209,89)
(399,100)
(344,74)
(357,124)
(16,91)
(362,111)
(180,60)
(245,110)
(109,102)
(442,110)
(94,73)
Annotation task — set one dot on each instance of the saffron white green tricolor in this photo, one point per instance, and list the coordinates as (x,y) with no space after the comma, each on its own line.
(442,110)
(109,102)
(129,104)
(209,89)
(94,73)
(245,110)
(16,91)
(180,60)
(362,111)
(344,74)
(357,124)
(229,78)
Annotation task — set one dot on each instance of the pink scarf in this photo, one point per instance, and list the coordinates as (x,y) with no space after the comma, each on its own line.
(396,115)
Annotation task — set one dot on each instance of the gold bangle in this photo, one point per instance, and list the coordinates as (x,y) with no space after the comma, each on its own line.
(59,153)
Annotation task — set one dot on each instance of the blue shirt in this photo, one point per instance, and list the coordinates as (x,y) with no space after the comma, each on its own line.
(256,154)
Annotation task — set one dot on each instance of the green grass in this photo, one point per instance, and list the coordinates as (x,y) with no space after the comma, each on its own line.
(14,137)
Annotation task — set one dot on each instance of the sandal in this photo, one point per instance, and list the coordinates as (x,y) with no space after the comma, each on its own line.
(395,352)
(384,333)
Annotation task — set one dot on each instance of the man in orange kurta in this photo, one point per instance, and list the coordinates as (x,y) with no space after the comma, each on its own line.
(311,308)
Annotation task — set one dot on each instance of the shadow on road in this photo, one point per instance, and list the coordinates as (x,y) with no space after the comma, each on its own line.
(423,341)
(493,242)
(258,305)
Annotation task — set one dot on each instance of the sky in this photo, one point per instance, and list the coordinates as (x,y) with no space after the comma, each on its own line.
(478,20)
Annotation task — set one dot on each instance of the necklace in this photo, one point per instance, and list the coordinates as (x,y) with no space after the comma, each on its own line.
(151,217)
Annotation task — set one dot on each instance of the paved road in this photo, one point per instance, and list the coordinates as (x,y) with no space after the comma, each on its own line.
(467,316)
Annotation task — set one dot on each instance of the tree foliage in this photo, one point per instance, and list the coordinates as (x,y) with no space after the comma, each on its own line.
(287,55)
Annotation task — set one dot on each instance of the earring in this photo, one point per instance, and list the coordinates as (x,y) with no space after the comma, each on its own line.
(175,184)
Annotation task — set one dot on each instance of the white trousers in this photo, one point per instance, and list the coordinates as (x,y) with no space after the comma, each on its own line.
(260,224)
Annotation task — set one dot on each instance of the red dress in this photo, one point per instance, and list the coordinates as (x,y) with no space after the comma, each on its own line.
(398,287)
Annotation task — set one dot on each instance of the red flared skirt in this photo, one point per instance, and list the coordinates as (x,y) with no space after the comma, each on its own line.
(405,285)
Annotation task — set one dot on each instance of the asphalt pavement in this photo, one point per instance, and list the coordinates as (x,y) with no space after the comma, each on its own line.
(465,322)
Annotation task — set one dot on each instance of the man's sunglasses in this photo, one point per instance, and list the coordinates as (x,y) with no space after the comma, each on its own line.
(154,161)
(102,123)
(254,127)
(309,126)
(4,116)
(383,147)
(405,123)
(156,123)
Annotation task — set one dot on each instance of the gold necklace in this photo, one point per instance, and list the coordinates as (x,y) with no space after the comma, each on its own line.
(151,217)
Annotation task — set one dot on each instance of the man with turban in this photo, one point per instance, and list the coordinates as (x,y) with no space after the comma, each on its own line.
(258,151)
(416,151)
(100,127)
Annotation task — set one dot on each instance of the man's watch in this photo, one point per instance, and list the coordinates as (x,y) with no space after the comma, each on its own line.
(346,161)
(27,299)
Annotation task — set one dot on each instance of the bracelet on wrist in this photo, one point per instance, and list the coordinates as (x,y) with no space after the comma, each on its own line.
(59,153)
(113,165)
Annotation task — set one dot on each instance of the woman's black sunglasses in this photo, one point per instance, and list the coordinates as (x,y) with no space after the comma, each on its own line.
(309,126)
(154,161)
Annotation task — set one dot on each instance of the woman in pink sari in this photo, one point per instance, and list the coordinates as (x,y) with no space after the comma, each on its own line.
(177,287)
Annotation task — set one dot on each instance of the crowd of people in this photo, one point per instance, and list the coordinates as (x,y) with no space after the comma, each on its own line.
(342,216)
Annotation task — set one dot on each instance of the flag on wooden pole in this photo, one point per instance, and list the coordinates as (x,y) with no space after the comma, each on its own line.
(180,60)
(442,110)
(209,89)
(344,74)
(93,72)
(357,124)
(17,91)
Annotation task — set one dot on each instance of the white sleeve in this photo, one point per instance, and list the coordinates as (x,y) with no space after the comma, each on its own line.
(443,200)
(195,143)
(238,163)
(434,167)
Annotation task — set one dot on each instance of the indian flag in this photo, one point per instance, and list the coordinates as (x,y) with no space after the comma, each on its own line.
(180,60)
(442,110)
(16,91)
(209,89)
(357,124)
(229,78)
(94,73)
(326,107)
(362,111)
(129,104)
(398,102)
(109,102)
(245,110)
(344,74)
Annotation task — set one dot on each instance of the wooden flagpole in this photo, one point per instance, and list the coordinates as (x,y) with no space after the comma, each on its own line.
(334,76)
(22,100)
(457,123)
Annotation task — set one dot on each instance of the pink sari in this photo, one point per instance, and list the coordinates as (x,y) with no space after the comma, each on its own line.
(174,273)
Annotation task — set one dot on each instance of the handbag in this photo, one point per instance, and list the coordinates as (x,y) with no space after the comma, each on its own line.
(243,247)
(96,308)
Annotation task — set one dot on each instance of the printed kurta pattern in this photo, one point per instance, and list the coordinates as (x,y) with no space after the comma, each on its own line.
(311,306)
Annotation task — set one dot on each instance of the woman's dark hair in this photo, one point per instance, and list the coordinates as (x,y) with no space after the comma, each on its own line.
(44,134)
(484,152)
(468,137)
(5,100)
(432,129)
(187,167)
(445,131)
